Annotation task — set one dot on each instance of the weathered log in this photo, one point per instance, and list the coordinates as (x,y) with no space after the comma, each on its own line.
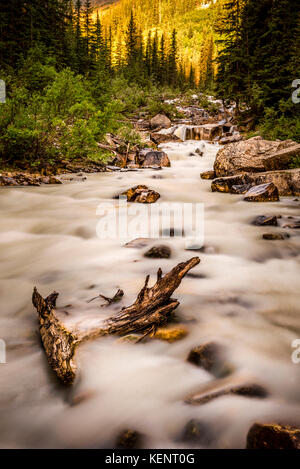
(150,310)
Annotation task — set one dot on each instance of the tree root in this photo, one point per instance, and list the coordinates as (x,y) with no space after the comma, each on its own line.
(150,310)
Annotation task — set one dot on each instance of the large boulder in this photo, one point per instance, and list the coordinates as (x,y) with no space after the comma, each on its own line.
(255,155)
(287,182)
(273,436)
(148,158)
(160,121)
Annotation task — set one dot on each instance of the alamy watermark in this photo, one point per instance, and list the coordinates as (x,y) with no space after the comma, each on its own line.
(296,93)
(2,351)
(124,221)
(296,353)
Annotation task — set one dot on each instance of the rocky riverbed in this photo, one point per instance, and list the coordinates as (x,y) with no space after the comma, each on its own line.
(222,365)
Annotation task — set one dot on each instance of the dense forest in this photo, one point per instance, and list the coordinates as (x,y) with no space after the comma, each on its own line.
(75,71)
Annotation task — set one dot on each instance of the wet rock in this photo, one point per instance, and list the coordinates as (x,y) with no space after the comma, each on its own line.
(199,152)
(287,182)
(129,439)
(148,158)
(246,390)
(273,436)
(208,175)
(209,356)
(204,132)
(160,121)
(262,193)
(139,243)
(255,155)
(141,194)
(240,188)
(262,220)
(159,252)
(274,236)
(197,432)
(171,334)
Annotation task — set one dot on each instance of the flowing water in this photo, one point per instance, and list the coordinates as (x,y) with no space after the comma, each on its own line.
(244,294)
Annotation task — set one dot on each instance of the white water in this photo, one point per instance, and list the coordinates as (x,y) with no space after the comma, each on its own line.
(248,300)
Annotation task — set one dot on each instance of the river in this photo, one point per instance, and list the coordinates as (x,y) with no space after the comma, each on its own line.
(245,297)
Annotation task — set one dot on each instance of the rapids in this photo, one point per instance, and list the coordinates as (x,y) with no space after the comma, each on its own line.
(245,297)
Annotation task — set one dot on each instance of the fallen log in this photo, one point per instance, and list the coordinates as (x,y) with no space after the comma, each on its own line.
(150,310)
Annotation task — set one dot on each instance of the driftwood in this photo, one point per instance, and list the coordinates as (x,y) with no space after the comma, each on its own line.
(150,310)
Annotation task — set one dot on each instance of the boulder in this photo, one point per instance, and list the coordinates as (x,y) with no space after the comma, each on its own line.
(204,132)
(287,181)
(255,155)
(273,436)
(160,121)
(141,194)
(208,175)
(158,138)
(148,158)
(159,252)
(262,220)
(262,193)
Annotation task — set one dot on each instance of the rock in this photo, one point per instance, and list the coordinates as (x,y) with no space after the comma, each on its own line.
(204,132)
(197,432)
(293,226)
(141,194)
(128,439)
(246,390)
(56,180)
(241,188)
(160,121)
(138,243)
(273,436)
(209,356)
(262,193)
(199,152)
(171,334)
(287,181)
(148,158)
(255,155)
(159,252)
(231,139)
(208,175)
(158,138)
(262,220)
(274,236)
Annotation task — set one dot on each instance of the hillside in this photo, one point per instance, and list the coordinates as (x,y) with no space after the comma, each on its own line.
(194,21)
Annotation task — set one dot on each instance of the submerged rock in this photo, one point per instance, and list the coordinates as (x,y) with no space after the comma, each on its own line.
(171,334)
(209,356)
(274,236)
(255,155)
(197,432)
(141,194)
(138,243)
(262,220)
(262,193)
(273,436)
(129,439)
(159,252)
(246,390)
